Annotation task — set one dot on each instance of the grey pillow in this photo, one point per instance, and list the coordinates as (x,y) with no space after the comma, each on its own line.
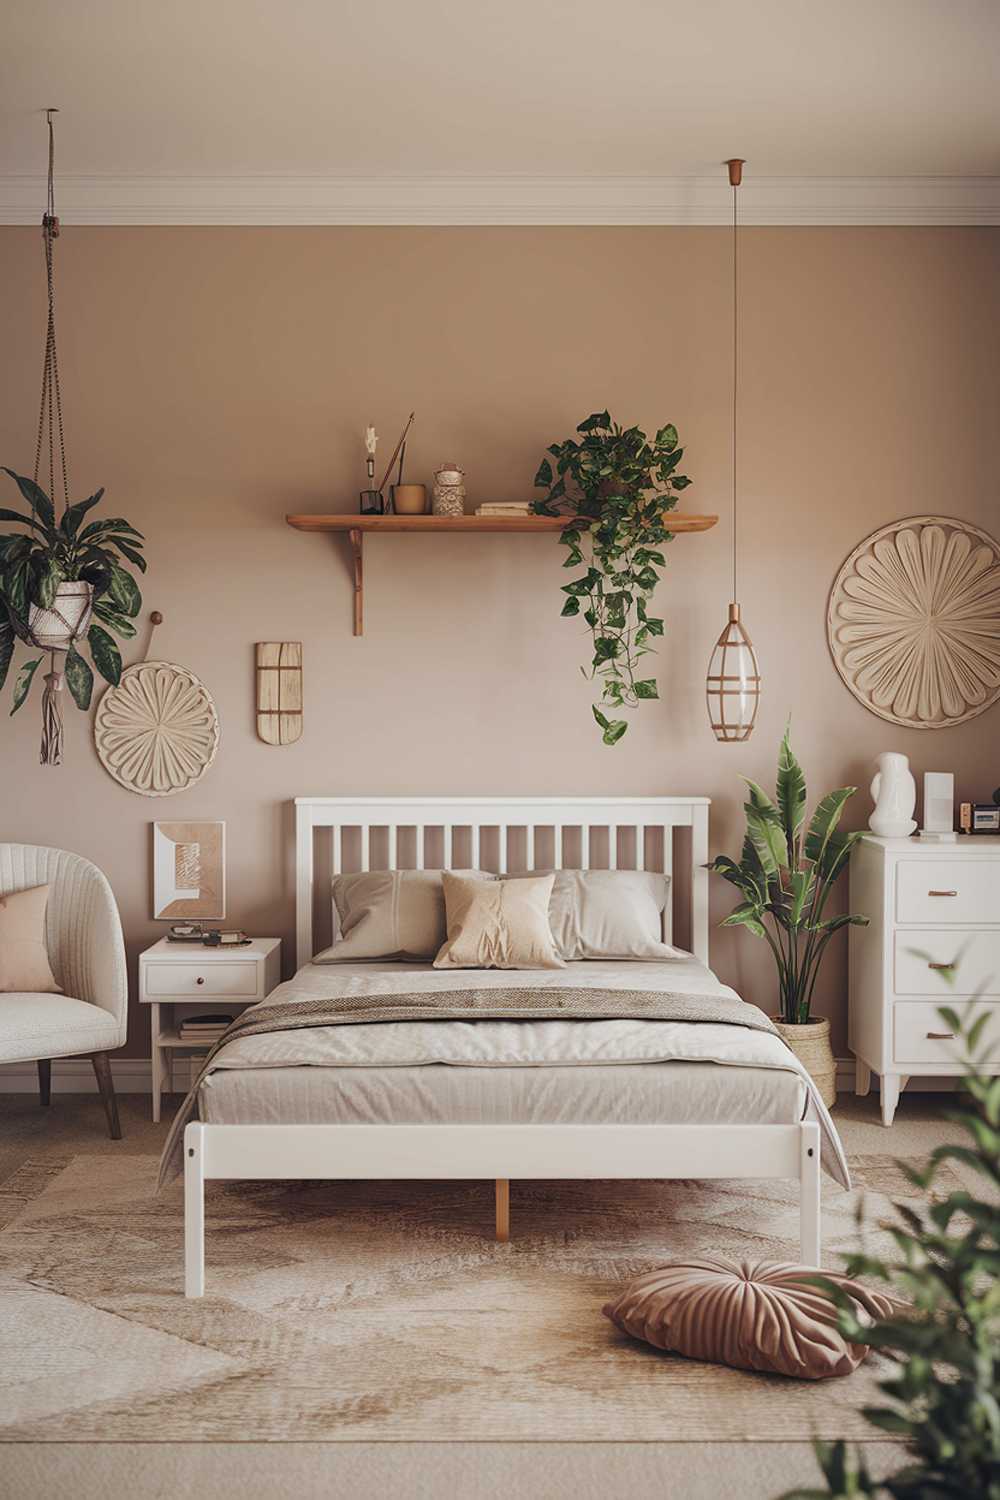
(598,914)
(389,914)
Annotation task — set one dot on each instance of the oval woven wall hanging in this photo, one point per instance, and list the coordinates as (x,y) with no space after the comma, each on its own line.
(913,622)
(157,732)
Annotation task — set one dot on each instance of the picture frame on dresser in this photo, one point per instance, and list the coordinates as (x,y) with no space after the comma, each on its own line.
(933,939)
(178,980)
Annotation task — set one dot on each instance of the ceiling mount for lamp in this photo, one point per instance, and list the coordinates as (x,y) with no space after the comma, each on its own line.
(732,685)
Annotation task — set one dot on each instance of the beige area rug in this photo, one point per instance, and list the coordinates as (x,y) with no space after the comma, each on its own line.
(384,1311)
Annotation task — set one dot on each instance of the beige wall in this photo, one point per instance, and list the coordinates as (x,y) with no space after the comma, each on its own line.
(217,378)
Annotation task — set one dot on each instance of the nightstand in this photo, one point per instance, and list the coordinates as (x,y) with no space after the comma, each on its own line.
(176,978)
(931,906)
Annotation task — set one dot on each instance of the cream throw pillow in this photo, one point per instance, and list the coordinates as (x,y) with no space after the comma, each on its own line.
(389,914)
(24,958)
(498,924)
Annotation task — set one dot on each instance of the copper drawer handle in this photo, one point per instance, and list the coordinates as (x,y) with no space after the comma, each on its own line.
(942,893)
(940,1036)
(941,966)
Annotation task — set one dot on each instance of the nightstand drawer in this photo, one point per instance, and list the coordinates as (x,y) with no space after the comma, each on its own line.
(201,980)
(920,1035)
(921,961)
(936,891)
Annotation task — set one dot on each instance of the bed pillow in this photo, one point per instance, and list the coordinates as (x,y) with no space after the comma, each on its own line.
(24,958)
(498,924)
(389,914)
(598,914)
(762,1316)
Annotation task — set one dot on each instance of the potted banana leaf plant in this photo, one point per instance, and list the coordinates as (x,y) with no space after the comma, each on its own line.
(785,874)
(62,583)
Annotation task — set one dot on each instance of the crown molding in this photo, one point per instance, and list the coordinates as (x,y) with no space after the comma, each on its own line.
(276,199)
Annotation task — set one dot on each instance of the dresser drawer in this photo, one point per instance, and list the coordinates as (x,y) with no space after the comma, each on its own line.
(920,1035)
(936,891)
(919,957)
(201,980)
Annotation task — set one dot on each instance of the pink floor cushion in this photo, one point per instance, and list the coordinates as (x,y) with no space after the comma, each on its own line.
(764,1316)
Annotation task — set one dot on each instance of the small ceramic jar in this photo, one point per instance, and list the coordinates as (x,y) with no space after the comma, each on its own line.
(449,491)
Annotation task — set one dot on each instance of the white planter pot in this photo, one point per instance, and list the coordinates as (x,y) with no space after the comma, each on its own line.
(811,1044)
(68,619)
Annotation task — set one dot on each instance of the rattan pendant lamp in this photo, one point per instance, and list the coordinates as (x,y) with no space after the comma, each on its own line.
(732,686)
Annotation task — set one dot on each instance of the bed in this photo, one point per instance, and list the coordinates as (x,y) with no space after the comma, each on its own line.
(502,1084)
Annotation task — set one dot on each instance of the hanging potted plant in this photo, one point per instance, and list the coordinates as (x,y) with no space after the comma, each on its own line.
(785,878)
(62,581)
(617,485)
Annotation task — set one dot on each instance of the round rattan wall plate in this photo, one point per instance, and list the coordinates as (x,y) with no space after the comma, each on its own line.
(157,732)
(913,622)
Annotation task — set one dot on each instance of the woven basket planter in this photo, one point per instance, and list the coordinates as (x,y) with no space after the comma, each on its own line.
(811,1044)
(56,628)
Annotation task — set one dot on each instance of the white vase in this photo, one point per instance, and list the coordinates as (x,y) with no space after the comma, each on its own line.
(894,793)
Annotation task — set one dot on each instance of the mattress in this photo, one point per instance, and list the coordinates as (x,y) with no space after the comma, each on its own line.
(666,1093)
(507,1072)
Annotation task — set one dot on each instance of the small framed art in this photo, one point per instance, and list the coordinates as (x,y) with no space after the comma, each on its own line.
(189,871)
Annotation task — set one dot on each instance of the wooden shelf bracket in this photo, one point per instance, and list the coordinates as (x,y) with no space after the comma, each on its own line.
(356,537)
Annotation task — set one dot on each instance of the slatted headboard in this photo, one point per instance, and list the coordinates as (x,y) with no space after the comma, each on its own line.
(505,834)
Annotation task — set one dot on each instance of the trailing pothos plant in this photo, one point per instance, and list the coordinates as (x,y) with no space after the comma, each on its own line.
(944,1333)
(50,551)
(785,874)
(617,485)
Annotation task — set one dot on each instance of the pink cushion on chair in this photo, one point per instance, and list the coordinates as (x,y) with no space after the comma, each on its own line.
(24,958)
(753,1316)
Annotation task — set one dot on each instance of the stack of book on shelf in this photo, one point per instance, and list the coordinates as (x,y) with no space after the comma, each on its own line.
(509,508)
(205,1029)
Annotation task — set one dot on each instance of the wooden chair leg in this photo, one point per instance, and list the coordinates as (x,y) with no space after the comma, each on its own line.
(503,1209)
(44,1066)
(102,1072)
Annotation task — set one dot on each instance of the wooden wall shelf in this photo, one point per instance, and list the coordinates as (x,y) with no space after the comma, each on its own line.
(355,527)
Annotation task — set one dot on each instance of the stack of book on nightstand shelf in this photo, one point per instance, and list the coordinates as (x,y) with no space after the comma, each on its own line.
(205,1029)
(509,508)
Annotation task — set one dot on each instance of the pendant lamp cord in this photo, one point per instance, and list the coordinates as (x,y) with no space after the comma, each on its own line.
(51,403)
(736,370)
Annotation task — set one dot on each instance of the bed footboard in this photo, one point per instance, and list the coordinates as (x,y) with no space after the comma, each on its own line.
(501,1152)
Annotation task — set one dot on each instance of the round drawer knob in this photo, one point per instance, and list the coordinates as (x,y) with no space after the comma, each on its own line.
(199,980)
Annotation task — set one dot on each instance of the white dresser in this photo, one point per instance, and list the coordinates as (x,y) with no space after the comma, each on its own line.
(931,906)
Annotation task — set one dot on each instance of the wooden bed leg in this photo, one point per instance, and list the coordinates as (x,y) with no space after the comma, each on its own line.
(194,1211)
(809,1194)
(503,1209)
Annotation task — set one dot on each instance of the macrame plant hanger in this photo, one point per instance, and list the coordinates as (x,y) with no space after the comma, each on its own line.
(50,423)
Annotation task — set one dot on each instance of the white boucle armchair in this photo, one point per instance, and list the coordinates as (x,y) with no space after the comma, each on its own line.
(83,934)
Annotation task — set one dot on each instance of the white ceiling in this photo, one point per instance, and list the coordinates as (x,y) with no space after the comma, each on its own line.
(663,89)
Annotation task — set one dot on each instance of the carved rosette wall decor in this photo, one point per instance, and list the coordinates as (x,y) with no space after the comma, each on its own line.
(157,732)
(913,622)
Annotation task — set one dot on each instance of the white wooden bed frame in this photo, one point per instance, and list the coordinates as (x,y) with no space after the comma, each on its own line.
(235,1152)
